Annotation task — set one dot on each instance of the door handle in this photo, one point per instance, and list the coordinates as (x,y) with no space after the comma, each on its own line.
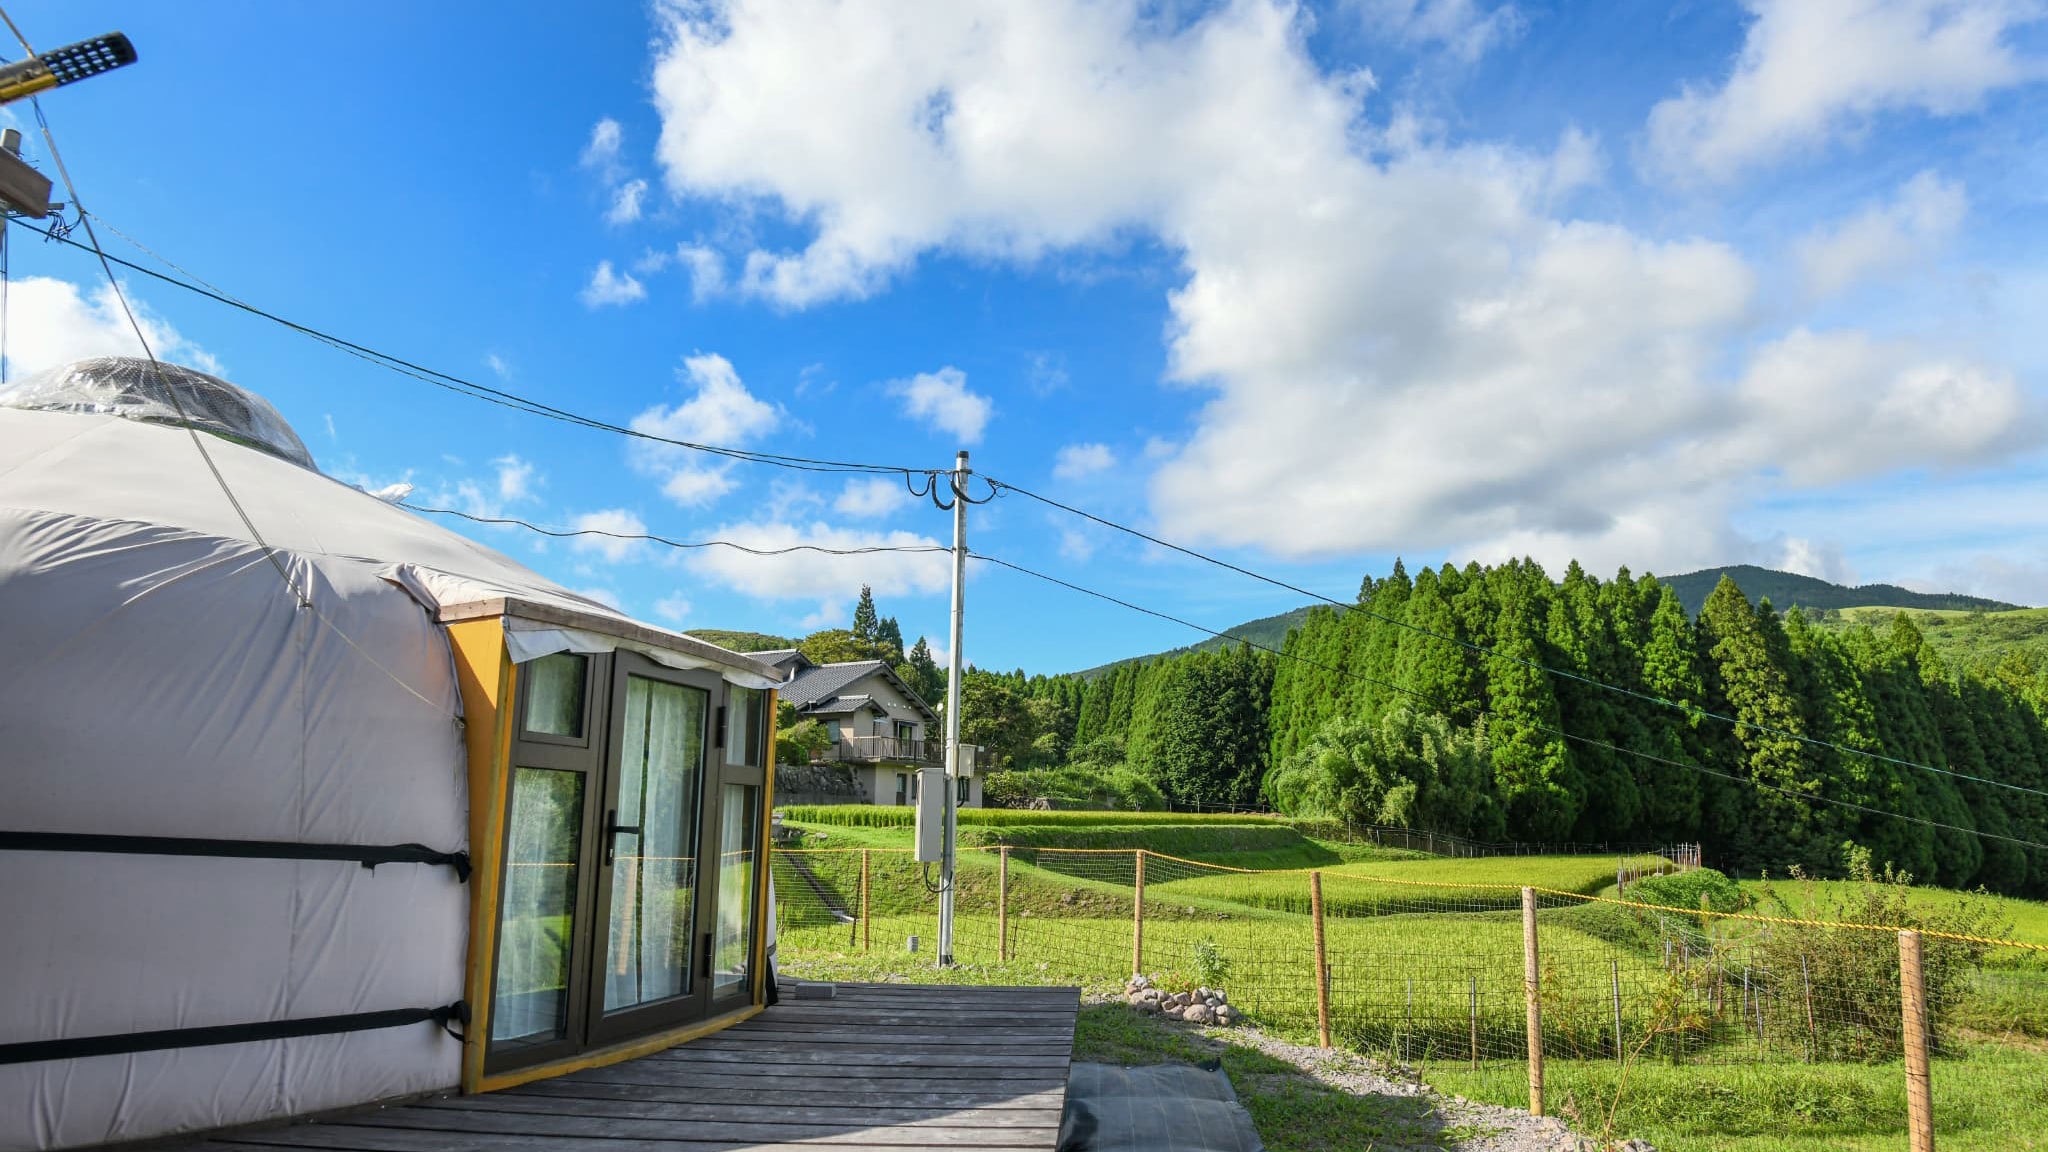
(704,958)
(612,831)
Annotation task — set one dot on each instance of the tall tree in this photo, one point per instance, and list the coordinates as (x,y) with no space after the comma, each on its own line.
(888,637)
(867,624)
(1538,783)
(926,678)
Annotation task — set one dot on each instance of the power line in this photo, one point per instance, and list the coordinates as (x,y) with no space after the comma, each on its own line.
(464,386)
(303,599)
(1496,654)
(560,533)
(1481,711)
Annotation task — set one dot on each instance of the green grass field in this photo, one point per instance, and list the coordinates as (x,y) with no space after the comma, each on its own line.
(1989,1098)
(1425,961)
(880,816)
(1259,843)
(2028,919)
(1971,639)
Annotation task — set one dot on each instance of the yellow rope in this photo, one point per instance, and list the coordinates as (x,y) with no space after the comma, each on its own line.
(1559,892)
(1755,919)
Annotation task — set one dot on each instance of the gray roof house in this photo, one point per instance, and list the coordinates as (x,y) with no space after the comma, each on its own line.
(881,730)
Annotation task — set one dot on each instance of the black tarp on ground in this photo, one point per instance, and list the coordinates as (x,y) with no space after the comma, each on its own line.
(1159,1108)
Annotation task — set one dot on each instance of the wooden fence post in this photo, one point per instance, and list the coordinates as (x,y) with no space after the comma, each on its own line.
(1003,904)
(1913,1002)
(1315,907)
(867,923)
(1532,977)
(1138,919)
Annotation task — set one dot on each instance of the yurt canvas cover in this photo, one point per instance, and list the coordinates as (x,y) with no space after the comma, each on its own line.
(162,677)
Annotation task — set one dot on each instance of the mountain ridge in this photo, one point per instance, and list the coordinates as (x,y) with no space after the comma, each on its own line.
(1783,589)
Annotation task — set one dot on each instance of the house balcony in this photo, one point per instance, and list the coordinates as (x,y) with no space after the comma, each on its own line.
(893,750)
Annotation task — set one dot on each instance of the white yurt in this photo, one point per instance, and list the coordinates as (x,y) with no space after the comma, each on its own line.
(362,811)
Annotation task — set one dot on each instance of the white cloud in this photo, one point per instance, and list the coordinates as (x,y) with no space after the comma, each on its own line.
(1884,238)
(618,521)
(707,270)
(697,485)
(672,608)
(720,412)
(1463,28)
(609,287)
(818,576)
(871,496)
(1047,373)
(602,153)
(1078,460)
(515,478)
(1822,560)
(942,400)
(1076,545)
(626,200)
(1811,71)
(51,322)
(392,493)
(498,365)
(2015,581)
(327,418)
(1463,368)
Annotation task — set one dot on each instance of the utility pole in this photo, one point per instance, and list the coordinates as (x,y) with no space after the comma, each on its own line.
(950,852)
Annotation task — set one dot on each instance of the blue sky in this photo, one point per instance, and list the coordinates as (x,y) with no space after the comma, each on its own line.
(1667,284)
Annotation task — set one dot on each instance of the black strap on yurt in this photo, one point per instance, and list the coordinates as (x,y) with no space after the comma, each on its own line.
(368,855)
(83,1046)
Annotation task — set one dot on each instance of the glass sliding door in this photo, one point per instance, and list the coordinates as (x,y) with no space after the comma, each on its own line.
(652,886)
(630,890)
(653,881)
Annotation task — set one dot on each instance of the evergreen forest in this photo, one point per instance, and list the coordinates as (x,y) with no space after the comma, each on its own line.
(1498,703)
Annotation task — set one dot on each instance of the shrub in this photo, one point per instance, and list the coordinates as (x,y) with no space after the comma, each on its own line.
(797,743)
(1684,890)
(1851,975)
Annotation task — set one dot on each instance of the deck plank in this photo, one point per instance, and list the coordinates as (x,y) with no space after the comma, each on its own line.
(874,1068)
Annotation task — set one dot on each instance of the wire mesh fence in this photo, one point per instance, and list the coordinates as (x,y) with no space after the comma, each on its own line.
(1419,973)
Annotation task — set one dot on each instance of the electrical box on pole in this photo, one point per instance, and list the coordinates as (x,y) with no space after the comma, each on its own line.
(931,816)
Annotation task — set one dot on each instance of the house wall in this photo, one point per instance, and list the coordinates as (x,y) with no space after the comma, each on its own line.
(899,707)
(880,781)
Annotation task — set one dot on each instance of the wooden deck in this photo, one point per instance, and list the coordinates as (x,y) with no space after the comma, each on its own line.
(877,1067)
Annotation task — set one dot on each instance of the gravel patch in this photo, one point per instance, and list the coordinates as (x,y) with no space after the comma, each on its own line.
(1492,1128)
(1497,1129)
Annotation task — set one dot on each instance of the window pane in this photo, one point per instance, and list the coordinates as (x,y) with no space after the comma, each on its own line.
(654,871)
(743,725)
(554,696)
(736,832)
(530,1001)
